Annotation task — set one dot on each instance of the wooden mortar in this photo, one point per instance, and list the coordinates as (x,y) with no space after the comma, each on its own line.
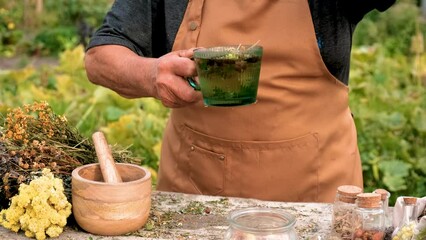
(111,208)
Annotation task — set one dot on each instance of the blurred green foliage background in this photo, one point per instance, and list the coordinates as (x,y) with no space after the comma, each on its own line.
(387,84)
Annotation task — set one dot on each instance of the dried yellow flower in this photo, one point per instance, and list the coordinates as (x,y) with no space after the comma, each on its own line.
(40,209)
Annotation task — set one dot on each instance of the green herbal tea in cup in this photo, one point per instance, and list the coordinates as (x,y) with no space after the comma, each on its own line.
(228,75)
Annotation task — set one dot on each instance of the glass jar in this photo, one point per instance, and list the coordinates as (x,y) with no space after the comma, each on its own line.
(385,195)
(260,224)
(405,228)
(343,208)
(369,217)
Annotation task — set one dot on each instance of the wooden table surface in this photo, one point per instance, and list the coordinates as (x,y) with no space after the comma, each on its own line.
(185,216)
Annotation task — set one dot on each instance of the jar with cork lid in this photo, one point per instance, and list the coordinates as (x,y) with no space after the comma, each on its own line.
(405,228)
(369,217)
(385,195)
(343,208)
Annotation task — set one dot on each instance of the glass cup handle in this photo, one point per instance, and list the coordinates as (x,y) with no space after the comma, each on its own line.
(193,84)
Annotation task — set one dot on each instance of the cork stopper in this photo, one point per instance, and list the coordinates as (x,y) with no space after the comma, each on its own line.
(383,192)
(369,200)
(410,200)
(348,193)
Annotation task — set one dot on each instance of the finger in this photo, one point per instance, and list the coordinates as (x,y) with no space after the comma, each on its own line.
(184,67)
(184,92)
(187,53)
(175,88)
(178,95)
(188,95)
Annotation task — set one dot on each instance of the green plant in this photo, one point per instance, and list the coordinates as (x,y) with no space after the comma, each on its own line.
(52,41)
(393,29)
(56,26)
(10,35)
(73,11)
(389,106)
(388,99)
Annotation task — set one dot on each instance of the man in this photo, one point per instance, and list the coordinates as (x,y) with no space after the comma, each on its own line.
(297,143)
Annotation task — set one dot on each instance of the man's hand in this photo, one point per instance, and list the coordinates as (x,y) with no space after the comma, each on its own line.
(170,82)
(132,76)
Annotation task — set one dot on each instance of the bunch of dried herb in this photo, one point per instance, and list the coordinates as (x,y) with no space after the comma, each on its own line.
(34,137)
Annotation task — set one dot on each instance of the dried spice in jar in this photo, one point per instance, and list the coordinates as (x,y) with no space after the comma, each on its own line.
(368,217)
(343,208)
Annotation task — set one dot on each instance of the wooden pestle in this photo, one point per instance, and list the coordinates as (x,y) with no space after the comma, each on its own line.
(106,161)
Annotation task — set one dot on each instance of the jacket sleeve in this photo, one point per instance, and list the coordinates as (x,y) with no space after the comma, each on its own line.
(128,23)
(382,5)
(356,9)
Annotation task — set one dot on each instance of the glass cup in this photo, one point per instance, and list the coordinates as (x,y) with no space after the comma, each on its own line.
(228,75)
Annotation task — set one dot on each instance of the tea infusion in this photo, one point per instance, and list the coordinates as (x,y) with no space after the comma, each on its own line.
(218,90)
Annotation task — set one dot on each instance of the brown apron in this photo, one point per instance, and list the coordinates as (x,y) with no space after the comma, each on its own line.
(297,143)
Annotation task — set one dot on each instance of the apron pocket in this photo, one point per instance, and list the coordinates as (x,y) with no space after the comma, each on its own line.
(206,170)
(283,170)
